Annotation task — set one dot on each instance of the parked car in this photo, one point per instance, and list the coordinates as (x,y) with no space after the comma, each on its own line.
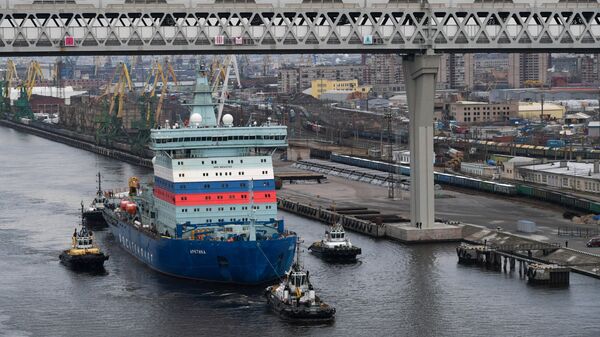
(594,242)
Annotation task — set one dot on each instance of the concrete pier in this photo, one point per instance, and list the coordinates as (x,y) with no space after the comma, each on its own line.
(548,274)
(420,73)
(439,232)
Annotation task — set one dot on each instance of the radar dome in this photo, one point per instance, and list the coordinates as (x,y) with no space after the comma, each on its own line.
(195,119)
(228,120)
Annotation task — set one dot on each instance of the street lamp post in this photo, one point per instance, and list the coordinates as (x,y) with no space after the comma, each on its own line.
(388,118)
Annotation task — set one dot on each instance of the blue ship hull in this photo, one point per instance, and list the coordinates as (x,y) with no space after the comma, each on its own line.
(241,262)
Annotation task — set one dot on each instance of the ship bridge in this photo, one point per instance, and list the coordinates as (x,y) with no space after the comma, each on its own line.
(268,136)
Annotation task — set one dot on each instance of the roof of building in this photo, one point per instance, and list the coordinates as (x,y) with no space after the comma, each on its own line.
(521,160)
(578,115)
(65,92)
(471,102)
(572,168)
(535,106)
(335,95)
(594,124)
(478,165)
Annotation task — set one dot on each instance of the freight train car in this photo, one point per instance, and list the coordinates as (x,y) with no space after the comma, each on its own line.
(540,193)
(525,150)
(439,177)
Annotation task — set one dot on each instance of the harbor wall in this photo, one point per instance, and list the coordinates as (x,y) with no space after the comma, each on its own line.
(80,143)
(328,217)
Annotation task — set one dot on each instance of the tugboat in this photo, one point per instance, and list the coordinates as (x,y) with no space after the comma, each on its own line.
(335,247)
(84,254)
(294,297)
(93,215)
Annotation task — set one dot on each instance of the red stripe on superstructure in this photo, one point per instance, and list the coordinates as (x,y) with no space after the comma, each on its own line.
(226,198)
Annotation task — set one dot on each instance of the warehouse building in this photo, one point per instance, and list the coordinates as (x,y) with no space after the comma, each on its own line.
(579,176)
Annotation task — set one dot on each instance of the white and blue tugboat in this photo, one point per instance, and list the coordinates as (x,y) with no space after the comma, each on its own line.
(93,214)
(294,298)
(335,247)
(210,213)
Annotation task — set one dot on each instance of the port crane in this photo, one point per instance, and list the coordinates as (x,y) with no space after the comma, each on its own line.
(10,75)
(158,78)
(109,122)
(22,106)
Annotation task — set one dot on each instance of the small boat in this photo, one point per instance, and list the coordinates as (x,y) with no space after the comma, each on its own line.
(294,297)
(84,254)
(335,247)
(93,214)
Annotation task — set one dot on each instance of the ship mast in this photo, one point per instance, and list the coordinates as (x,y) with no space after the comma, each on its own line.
(99,192)
(252,218)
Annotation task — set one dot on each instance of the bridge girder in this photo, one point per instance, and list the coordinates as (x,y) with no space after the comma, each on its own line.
(128,30)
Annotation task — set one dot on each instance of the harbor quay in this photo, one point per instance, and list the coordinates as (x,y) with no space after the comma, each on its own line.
(461,216)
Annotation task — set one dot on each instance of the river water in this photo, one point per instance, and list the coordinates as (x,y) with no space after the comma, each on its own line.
(394,290)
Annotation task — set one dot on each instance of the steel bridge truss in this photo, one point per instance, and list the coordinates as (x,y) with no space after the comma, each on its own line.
(268,30)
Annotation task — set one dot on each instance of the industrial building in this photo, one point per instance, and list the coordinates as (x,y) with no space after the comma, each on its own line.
(476,112)
(594,129)
(480,170)
(320,87)
(296,79)
(537,111)
(509,165)
(579,176)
